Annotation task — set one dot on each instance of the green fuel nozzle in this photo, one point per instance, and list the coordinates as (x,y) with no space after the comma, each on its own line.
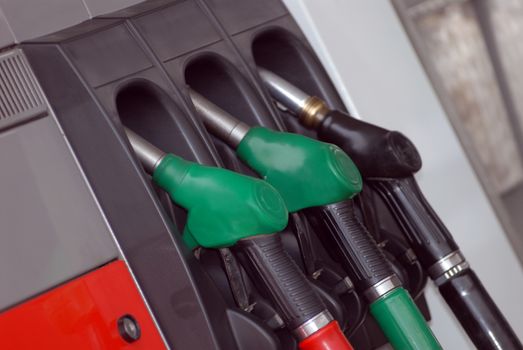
(306,172)
(321,179)
(223,206)
(225,209)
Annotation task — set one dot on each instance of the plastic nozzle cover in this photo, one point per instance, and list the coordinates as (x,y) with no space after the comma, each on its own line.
(223,206)
(402,322)
(306,172)
(377,152)
(329,337)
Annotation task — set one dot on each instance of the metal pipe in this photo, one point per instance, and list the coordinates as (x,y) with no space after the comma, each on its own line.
(148,154)
(219,122)
(309,109)
(287,94)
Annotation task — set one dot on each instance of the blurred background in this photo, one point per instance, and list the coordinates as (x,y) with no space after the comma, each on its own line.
(472,51)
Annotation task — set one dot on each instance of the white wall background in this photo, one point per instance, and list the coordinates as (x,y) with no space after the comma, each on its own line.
(370,59)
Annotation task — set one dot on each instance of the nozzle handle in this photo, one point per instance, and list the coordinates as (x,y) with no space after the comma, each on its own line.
(427,235)
(284,283)
(353,246)
(478,314)
(390,304)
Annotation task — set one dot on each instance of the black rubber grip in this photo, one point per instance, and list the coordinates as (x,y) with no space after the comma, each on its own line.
(376,151)
(281,279)
(352,244)
(427,235)
(478,314)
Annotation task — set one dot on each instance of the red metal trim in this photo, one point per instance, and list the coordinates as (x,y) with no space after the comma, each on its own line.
(81,314)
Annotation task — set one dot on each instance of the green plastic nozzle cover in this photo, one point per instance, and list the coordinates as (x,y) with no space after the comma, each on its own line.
(402,322)
(306,172)
(223,206)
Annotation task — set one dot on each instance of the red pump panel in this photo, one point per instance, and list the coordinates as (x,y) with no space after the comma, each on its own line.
(81,314)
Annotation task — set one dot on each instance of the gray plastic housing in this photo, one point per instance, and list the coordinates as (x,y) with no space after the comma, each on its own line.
(7,37)
(133,67)
(52,228)
(22,20)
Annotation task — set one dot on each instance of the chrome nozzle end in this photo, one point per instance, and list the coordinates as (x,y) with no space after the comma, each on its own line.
(148,154)
(219,122)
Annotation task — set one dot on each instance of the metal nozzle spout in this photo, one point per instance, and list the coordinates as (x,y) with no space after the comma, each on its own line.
(219,122)
(148,154)
(284,92)
(309,109)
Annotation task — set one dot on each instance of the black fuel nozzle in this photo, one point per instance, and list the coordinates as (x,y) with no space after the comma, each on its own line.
(377,152)
(387,161)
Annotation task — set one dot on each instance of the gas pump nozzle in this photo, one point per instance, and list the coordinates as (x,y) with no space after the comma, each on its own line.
(321,179)
(388,160)
(229,209)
